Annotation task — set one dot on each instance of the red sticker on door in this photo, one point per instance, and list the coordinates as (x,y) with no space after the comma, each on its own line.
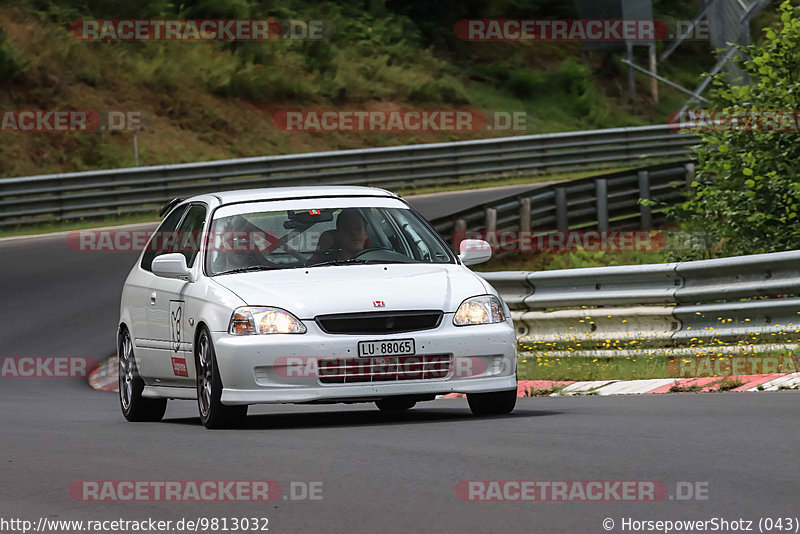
(179,367)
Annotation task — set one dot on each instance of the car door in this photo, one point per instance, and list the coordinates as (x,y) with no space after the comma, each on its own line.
(140,297)
(173,301)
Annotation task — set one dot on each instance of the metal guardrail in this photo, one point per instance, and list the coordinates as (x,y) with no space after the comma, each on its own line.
(721,305)
(142,189)
(602,202)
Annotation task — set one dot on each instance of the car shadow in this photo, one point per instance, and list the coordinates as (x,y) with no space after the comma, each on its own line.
(367,417)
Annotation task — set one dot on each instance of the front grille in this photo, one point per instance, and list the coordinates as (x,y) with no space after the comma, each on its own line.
(384,369)
(379,322)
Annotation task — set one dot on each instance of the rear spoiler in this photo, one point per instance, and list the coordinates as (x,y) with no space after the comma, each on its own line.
(166,208)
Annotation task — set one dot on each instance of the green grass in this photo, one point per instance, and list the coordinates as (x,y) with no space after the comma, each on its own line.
(579,368)
(694,388)
(506,181)
(727,384)
(545,261)
(534,367)
(210,101)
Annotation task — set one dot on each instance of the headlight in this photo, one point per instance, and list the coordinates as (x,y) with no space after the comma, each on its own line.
(485,309)
(259,320)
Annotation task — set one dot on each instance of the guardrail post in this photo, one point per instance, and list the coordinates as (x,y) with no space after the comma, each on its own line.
(601,193)
(689,172)
(644,193)
(561,209)
(690,175)
(525,214)
(491,219)
(459,231)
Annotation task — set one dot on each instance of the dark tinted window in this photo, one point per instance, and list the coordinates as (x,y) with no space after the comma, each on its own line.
(307,237)
(163,239)
(190,233)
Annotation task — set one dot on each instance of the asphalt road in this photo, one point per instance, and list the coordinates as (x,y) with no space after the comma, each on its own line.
(383,474)
(435,205)
(379,474)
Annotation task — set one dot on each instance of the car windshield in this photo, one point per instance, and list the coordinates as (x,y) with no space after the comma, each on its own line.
(319,237)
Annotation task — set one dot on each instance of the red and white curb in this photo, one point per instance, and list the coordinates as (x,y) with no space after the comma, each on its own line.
(105,378)
(551,388)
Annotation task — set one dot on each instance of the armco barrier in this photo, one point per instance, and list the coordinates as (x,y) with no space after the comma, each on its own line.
(143,189)
(600,202)
(743,303)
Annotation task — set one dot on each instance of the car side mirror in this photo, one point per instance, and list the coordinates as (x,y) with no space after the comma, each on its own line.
(474,251)
(172,265)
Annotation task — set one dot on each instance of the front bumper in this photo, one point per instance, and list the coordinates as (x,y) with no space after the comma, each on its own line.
(254,369)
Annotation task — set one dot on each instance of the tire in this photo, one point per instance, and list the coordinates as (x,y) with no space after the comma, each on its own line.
(213,414)
(134,407)
(395,404)
(494,403)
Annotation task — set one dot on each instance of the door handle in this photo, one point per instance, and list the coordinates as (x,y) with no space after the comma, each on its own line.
(153,298)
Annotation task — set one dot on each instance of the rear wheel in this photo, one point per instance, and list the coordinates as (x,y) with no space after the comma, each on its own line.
(213,414)
(135,407)
(390,404)
(494,403)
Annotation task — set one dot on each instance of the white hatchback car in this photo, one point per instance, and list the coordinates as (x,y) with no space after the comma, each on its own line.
(308,295)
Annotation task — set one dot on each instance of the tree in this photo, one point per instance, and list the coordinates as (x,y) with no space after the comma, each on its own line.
(748,182)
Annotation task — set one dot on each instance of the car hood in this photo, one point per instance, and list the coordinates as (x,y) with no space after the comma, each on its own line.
(355,288)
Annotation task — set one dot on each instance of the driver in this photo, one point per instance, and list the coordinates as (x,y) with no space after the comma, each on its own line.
(348,239)
(240,255)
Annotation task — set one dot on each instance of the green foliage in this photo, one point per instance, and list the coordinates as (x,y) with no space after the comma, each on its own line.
(571,87)
(544,261)
(575,80)
(535,364)
(748,182)
(65,11)
(525,83)
(214,9)
(11,66)
(378,53)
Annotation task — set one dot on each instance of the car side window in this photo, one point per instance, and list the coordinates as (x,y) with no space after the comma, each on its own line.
(190,233)
(163,239)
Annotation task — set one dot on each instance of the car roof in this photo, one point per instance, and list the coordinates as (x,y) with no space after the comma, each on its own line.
(284,193)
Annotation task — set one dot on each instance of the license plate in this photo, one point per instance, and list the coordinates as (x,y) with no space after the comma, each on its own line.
(395,347)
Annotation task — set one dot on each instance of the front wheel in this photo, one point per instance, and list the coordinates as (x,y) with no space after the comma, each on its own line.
(135,408)
(494,403)
(213,414)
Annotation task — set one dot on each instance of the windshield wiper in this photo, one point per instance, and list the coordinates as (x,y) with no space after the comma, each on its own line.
(351,261)
(354,261)
(250,269)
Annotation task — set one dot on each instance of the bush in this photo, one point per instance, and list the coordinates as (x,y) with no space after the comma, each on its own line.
(748,182)
(499,71)
(65,11)
(216,9)
(11,66)
(575,80)
(525,83)
(256,82)
(446,89)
